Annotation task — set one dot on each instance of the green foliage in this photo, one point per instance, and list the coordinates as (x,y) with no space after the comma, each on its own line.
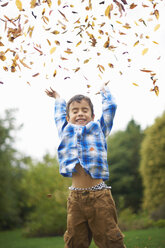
(124,159)
(131,221)
(152,166)
(160,223)
(10,173)
(48,214)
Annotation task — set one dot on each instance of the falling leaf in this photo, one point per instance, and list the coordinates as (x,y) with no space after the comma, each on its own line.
(156,13)
(145,6)
(55,73)
(157,27)
(55,32)
(78,43)
(41,53)
(30,31)
(127,26)
(57,42)
(155,42)
(119,22)
(86,18)
(63,58)
(136,23)
(24,64)
(108,10)
(5,68)
(28,83)
(59,2)
(68,51)
(110,65)
(101,68)
(86,61)
(45,19)
(19,4)
(135,84)
(144,70)
(48,42)
(77,69)
(121,33)
(141,20)
(1,44)
(49,195)
(52,50)
(5,4)
(63,16)
(156,90)
(36,74)
(49,2)
(145,50)
(2,56)
(132,6)
(32,3)
(106,44)
(136,43)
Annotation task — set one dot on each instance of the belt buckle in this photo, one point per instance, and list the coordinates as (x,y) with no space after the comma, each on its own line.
(85,193)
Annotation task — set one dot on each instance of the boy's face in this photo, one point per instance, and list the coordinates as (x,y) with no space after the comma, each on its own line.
(80,113)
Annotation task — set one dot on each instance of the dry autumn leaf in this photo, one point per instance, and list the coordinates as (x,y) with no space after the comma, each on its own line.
(156,13)
(144,70)
(145,50)
(78,43)
(136,43)
(36,74)
(135,84)
(132,6)
(52,50)
(19,4)
(156,90)
(55,73)
(33,3)
(108,11)
(157,27)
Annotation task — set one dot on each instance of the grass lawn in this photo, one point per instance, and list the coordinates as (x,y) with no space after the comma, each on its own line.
(150,238)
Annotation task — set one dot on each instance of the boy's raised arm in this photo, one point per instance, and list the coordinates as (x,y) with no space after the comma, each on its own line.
(59,110)
(108,110)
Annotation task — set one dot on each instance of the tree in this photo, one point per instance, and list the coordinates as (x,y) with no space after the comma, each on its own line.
(152,165)
(46,194)
(10,173)
(124,159)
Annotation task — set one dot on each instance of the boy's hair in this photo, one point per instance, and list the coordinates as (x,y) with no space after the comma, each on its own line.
(79,98)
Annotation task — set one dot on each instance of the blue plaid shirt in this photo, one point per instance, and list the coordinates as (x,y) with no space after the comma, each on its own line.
(85,144)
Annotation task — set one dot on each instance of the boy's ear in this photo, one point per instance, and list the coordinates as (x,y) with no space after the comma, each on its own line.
(93,117)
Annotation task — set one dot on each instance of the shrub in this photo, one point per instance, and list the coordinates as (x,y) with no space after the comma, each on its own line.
(131,221)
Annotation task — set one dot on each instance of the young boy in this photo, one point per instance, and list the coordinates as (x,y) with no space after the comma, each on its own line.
(82,155)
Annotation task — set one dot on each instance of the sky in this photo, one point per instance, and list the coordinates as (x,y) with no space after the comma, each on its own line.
(130,86)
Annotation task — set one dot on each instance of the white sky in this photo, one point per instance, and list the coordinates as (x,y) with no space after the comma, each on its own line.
(36,109)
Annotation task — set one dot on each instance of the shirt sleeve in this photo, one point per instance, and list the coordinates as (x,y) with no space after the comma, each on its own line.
(108,111)
(60,115)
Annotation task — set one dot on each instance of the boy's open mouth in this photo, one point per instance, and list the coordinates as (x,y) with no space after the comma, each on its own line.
(80,121)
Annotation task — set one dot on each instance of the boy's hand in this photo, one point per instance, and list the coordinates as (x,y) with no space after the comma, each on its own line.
(52,93)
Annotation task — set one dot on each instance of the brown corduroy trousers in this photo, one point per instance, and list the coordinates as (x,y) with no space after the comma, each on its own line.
(92,214)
